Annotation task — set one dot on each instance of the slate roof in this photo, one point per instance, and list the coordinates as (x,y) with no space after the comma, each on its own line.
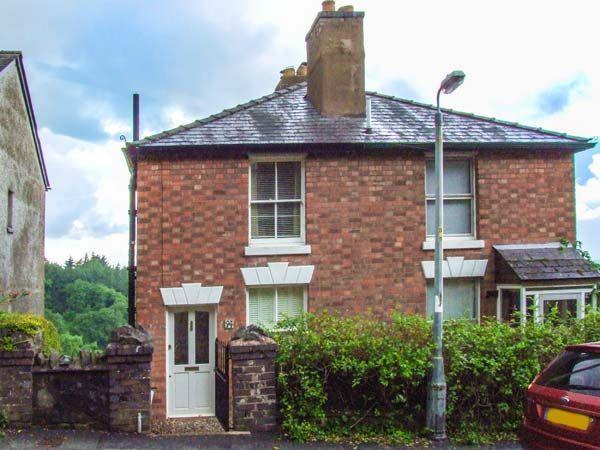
(6,57)
(546,262)
(288,117)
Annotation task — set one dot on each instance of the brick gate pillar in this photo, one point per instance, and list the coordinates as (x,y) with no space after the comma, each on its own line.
(128,357)
(254,385)
(16,386)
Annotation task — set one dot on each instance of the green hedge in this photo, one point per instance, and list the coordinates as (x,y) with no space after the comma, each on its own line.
(362,379)
(28,325)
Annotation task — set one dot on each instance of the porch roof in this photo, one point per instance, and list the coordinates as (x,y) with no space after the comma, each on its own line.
(542,262)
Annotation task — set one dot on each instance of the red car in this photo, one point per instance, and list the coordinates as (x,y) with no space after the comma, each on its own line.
(562,409)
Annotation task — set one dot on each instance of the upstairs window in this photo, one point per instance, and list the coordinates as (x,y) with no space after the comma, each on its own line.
(459,198)
(276,201)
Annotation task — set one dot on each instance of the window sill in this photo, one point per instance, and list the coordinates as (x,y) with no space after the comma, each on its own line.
(455,244)
(277,249)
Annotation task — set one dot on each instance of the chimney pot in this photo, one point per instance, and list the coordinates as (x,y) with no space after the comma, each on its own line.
(302,70)
(347,8)
(290,77)
(329,5)
(288,72)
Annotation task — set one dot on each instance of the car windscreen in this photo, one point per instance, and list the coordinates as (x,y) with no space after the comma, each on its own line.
(574,371)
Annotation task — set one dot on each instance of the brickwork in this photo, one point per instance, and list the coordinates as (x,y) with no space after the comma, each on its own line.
(254,383)
(101,392)
(71,397)
(365,221)
(16,382)
(129,387)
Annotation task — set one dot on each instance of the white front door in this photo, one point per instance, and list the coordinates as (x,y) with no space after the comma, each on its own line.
(191,362)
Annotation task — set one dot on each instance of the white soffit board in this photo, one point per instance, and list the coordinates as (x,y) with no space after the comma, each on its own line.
(277,274)
(191,294)
(456,267)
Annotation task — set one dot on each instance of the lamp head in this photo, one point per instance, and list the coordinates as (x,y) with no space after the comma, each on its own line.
(453,80)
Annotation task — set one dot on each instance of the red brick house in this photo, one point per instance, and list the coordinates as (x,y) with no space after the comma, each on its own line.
(292,203)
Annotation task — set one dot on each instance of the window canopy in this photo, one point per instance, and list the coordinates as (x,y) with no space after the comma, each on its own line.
(190,294)
(277,274)
(456,267)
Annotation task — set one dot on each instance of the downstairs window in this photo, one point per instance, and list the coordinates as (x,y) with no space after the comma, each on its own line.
(460,299)
(267,306)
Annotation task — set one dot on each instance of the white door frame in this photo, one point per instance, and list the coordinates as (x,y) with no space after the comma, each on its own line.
(169,360)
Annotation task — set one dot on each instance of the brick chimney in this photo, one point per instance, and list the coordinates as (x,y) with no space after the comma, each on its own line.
(336,61)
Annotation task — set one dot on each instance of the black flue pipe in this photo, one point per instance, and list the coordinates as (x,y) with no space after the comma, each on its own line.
(131,310)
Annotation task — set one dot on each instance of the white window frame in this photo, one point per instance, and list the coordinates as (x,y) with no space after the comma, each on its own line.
(276,288)
(275,241)
(578,292)
(454,240)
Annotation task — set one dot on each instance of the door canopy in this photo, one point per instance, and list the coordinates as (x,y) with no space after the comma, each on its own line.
(190,294)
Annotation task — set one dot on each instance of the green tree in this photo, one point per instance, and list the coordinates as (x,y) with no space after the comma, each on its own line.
(95,325)
(85,300)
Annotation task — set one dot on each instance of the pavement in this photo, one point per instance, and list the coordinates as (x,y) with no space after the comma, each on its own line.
(94,440)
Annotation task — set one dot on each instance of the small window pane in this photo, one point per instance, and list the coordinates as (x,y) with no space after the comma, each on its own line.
(564,308)
(288,220)
(261,304)
(262,220)
(202,337)
(181,338)
(9,212)
(263,181)
(290,302)
(288,180)
(457,177)
(457,217)
(460,299)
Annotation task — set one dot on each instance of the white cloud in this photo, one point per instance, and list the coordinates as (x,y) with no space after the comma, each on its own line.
(588,193)
(113,246)
(88,202)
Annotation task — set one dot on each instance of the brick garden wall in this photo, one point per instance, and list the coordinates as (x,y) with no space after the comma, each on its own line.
(105,392)
(365,221)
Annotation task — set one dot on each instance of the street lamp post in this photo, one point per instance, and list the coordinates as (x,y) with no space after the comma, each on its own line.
(436,395)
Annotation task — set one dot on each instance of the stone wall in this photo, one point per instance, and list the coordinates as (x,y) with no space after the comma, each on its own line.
(254,385)
(105,392)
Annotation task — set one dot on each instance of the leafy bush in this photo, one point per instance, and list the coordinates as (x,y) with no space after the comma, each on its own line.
(361,379)
(28,325)
(353,377)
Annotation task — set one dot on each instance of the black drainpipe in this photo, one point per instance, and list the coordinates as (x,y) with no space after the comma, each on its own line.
(131,313)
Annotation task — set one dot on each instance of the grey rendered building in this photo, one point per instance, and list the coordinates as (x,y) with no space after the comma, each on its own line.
(23,186)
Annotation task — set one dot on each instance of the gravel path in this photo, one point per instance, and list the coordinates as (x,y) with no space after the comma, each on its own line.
(187,426)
